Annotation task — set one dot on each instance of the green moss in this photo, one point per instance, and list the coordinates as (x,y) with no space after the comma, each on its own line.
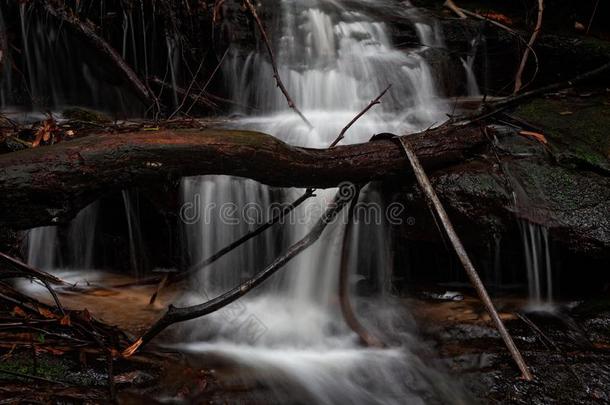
(86,115)
(46,367)
(578,129)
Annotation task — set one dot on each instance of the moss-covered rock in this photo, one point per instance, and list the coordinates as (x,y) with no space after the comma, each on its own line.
(577,128)
(85,115)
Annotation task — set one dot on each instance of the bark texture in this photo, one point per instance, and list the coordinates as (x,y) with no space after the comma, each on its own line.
(50,184)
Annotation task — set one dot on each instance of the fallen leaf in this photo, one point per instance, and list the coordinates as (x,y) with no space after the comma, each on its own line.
(45,131)
(566,113)
(17,311)
(65,320)
(536,135)
(492,15)
(46,313)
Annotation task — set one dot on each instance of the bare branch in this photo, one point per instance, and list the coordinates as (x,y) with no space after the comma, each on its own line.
(437,208)
(276,73)
(530,46)
(175,314)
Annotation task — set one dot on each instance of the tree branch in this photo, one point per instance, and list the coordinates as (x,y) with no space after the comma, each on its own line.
(175,314)
(530,45)
(85,31)
(276,73)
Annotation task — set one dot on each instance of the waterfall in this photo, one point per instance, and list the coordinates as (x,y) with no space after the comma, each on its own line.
(46,250)
(81,238)
(136,244)
(53,76)
(42,247)
(538,264)
(333,61)
(472,87)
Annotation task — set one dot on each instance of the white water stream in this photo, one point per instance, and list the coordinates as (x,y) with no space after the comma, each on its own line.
(290,333)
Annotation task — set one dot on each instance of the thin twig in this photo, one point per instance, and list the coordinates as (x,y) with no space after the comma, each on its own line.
(207,83)
(188,90)
(276,73)
(518,82)
(437,207)
(360,114)
(510,31)
(229,248)
(503,103)
(592,17)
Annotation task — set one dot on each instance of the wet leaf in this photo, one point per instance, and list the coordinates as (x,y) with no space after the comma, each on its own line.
(493,15)
(45,131)
(46,313)
(17,311)
(536,135)
(65,320)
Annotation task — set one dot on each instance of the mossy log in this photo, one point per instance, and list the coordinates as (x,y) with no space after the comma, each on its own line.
(50,184)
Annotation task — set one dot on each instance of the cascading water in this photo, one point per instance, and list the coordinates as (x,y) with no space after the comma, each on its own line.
(136,245)
(42,247)
(472,87)
(81,238)
(333,62)
(538,264)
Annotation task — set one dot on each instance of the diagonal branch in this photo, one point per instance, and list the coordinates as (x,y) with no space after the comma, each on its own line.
(437,208)
(29,270)
(175,314)
(530,46)
(360,114)
(85,31)
(276,73)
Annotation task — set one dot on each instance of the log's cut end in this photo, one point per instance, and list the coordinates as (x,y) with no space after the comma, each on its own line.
(133,348)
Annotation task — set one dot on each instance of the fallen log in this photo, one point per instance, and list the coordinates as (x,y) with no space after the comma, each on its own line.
(308,193)
(51,184)
(30,271)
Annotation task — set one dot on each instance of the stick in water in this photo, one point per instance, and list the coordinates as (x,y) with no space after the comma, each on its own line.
(366,338)
(175,314)
(436,206)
